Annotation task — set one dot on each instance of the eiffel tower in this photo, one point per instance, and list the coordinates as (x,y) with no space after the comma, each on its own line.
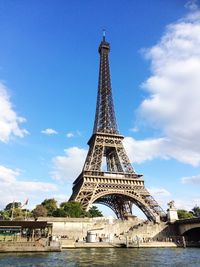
(108,177)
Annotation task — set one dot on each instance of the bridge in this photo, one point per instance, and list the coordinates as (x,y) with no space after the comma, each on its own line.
(189,228)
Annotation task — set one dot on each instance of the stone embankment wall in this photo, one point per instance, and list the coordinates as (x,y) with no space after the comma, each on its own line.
(26,246)
(77,228)
(149,230)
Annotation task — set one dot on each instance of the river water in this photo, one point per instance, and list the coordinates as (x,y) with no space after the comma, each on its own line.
(125,257)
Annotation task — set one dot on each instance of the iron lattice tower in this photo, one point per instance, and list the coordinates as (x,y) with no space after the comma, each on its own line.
(108,177)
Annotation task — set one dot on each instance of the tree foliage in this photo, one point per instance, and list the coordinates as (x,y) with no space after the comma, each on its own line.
(14,211)
(196,211)
(184,214)
(67,209)
(60,213)
(18,214)
(95,212)
(13,205)
(51,206)
(39,211)
(73,209)
(5,215)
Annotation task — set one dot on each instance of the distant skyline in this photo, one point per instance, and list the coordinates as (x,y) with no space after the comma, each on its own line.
(49,65)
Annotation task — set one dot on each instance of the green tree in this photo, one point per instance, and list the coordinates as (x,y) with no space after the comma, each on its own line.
(5,215)
(18,214)
(196,211)
(60,213)
(51,206)
(39,211)
(14,211)
(95,212)
(13,205)
(184,214)
(73,209)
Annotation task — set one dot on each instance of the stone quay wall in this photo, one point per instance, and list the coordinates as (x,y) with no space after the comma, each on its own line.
(106,228)
(77,228)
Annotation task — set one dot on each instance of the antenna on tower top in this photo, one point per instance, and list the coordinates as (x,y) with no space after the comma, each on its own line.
(104,35)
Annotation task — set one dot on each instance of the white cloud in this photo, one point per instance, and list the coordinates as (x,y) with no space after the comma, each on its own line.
(159,192)
(12,188)
(186,203)
(61,198)
(161,196)
(149,149)
(191,179)
(9,120)
(173,104)
(79,133)
(69,135)
(134,129)
(192,5)
(69,166)
(49,131)
(142,150)
(8,175)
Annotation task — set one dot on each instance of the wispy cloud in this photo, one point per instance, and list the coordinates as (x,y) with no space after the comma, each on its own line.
(191,180)
(161,195)
(69,135)
(69,166)
(79,133)
(173,104)
(61,198)
(9,120)
(134,129)
(8,175)
(141,150)
(192,5)
(159,192)
(73,134)
(12,188)
(49,131)
(187,204)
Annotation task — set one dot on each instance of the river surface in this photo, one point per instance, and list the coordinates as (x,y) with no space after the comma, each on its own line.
(125,257)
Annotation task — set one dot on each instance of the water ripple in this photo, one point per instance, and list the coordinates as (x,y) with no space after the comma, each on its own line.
(97,257)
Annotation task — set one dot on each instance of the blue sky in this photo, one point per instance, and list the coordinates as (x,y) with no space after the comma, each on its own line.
(48,84)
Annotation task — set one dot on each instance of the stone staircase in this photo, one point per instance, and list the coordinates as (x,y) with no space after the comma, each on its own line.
(149,231)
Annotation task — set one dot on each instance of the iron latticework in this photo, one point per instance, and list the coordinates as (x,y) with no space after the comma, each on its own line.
(108,176)
(105,120)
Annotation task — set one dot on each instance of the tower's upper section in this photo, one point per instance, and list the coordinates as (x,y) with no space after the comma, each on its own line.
(105,121)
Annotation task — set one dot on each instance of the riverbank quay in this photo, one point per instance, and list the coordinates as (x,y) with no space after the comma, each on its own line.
(108,229)
(42,246)
(65,244)
(70,244)
(62,233)
(120,245)
(31,246)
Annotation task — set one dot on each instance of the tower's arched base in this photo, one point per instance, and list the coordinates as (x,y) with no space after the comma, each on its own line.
(117,191)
